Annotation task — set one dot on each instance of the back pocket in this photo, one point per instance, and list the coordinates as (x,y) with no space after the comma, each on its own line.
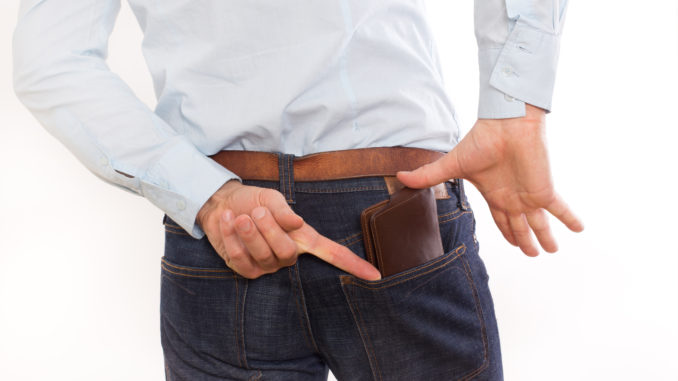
(423,323)
(201,316)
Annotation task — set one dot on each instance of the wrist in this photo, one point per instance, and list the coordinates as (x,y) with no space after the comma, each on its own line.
(217,198)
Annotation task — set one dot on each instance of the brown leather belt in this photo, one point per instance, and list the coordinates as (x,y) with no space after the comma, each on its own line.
(333,165)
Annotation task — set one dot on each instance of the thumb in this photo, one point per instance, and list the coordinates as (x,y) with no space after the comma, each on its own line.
(443,169)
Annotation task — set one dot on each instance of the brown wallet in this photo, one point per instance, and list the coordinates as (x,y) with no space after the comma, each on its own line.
(402,232)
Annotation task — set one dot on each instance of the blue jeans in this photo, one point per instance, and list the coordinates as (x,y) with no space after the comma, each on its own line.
(433,322)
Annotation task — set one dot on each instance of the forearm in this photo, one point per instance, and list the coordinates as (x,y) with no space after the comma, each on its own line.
(61,76)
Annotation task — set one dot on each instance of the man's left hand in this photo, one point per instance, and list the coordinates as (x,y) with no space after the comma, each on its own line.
(506,159)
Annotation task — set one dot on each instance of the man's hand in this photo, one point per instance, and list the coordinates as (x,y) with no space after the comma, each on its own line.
(256,232)
(506,159)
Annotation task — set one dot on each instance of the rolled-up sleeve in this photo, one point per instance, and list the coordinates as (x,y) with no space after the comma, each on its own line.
(518,47)
(61,76)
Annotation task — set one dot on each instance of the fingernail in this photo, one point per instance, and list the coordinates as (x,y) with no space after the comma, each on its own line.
(245,225)
(258,212)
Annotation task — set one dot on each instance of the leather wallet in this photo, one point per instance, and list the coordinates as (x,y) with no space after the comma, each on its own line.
(402,232)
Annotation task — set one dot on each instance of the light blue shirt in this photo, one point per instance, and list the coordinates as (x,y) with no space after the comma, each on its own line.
(294,76)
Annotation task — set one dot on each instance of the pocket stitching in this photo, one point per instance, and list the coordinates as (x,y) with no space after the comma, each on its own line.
(481,319)
(385,283)
(179,267)
(348,238)
(186,271)
(195,276)
(367,342)
(174,282)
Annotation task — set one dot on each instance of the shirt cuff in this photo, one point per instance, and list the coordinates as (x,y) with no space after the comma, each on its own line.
(180,183)
(523,71)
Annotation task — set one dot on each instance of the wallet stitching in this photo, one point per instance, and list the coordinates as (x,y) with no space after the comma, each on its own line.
(369,245)
(378,284)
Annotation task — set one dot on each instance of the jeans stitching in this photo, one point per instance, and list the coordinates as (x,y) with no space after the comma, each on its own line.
(182,232)
(455,217)
(303,306)
(235,326)
(175,229)
(241,319)
(349,237)
(449,213)
(165,276)
(374,356)
(195,269)
(481,319)
(167,372)
(194,276)
(289,178)
(299,310)
(341,190)
(446,259)
(353,242)
(367,342)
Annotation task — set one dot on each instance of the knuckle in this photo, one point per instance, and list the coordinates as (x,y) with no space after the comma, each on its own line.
(266,260)
(236,254)
(520,231)
(270,195)
(287,256)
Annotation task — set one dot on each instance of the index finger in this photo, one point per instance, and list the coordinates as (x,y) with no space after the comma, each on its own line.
(310,241)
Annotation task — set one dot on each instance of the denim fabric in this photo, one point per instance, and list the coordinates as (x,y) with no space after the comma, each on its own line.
(433,322)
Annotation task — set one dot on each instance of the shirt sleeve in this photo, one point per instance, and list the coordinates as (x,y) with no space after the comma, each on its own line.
(61,76)
(518,46)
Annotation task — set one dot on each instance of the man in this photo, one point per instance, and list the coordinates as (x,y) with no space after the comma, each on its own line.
(277,124)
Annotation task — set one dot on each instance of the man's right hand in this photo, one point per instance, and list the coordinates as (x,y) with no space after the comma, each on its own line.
(256,232)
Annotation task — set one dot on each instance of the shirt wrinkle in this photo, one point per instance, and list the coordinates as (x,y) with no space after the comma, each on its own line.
(296,76)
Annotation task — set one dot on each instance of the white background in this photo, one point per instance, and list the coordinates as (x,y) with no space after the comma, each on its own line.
(79,259)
